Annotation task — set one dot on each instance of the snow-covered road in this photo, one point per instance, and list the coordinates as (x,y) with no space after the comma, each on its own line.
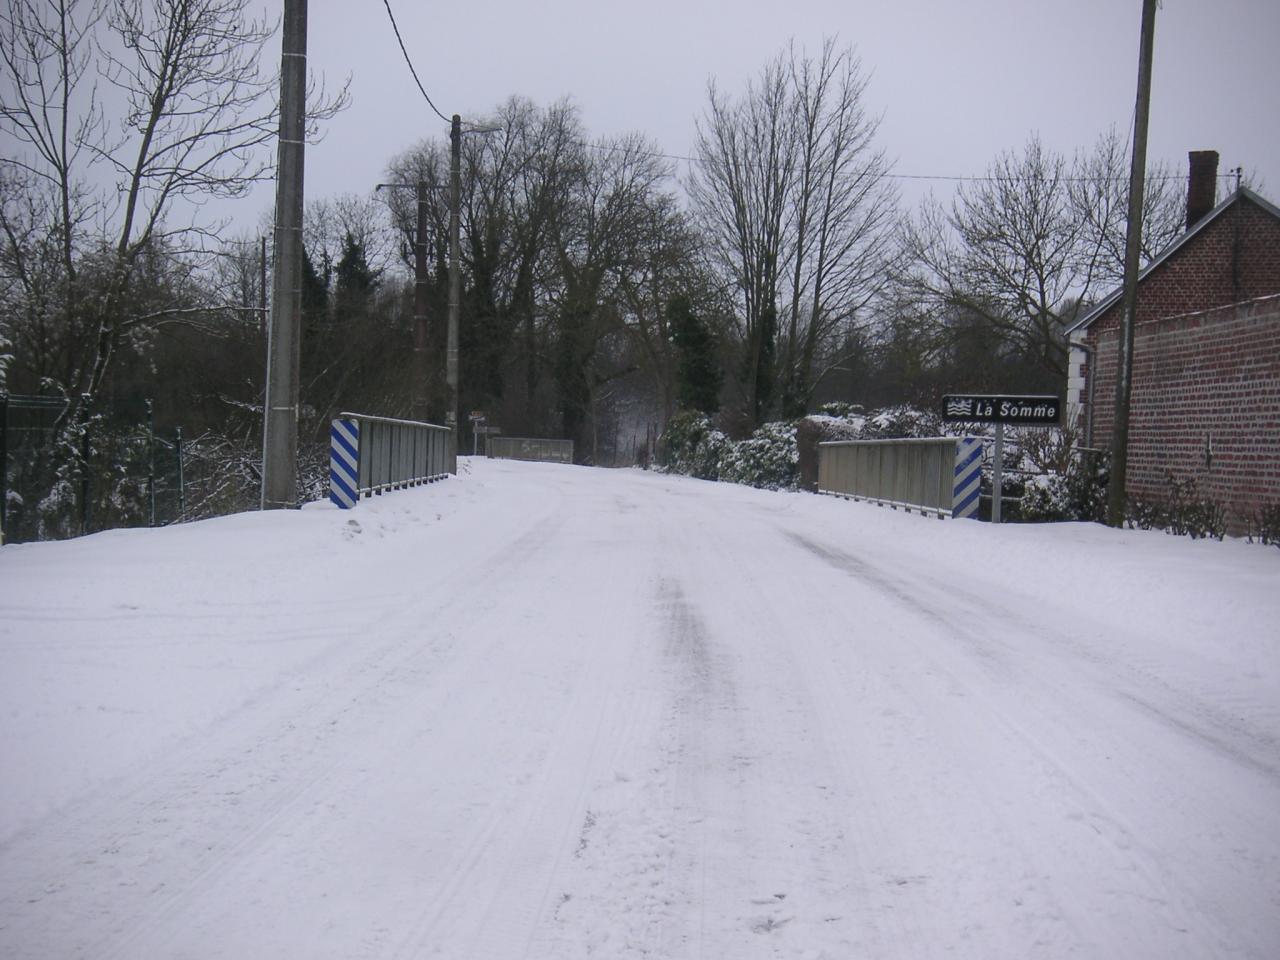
(551,712)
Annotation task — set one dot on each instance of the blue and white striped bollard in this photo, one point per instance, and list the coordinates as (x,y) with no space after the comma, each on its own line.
(968,479)
(344,463)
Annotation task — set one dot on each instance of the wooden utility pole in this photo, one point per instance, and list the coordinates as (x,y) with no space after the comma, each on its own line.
(1129,301)
(280,419)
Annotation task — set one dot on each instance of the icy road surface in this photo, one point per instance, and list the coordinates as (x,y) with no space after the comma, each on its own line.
(551,712)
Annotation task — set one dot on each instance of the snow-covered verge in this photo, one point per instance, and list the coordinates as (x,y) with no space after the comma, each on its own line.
(545,711)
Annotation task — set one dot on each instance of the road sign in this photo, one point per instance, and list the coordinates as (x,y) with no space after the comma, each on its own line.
(970,408)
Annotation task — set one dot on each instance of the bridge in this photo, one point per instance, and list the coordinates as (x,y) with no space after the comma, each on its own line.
(540,711)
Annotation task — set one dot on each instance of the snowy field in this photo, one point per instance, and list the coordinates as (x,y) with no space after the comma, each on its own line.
(550,712)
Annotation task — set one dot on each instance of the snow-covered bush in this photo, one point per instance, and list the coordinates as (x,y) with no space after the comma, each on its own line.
(692,445)
(1078,494)
(767,459)
(896,423)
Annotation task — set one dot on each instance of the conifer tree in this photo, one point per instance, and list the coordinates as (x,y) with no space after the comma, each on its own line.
(698,373)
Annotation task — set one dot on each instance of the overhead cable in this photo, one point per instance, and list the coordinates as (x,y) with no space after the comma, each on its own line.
(400,40)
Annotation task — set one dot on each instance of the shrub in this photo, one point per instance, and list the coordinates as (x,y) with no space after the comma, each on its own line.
(1078,494)
(1182,511)
(895,423)
(767,459)
(692,445)
(1265,525)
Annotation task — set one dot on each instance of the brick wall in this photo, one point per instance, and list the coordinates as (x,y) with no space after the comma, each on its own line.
(1233,259)
(1205,404)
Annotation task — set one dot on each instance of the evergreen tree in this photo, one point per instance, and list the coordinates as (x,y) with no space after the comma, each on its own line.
(315,293)
(354,282)
(698,373)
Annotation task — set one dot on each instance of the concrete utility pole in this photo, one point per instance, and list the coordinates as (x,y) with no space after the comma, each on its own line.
(451,360)
(455,280)
(262,288)
(280,420)
(1132,246)
(420,308)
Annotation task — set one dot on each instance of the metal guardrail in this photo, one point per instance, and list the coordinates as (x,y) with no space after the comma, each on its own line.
(370,455)
(934,475)
(522,448)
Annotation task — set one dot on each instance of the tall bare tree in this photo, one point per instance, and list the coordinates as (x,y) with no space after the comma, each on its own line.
(791,191)
(1026,248)
(131,113)
(600,242)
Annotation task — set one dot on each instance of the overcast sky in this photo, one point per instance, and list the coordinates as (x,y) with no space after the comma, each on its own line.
(955,82)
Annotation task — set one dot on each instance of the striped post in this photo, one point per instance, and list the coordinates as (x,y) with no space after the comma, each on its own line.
(344,463)
(968,478)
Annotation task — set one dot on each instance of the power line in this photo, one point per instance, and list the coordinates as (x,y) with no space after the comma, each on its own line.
(955,178)
(661,155)
(400,40)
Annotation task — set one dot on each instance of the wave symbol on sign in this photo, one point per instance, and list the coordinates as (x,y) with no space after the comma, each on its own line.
(959,408)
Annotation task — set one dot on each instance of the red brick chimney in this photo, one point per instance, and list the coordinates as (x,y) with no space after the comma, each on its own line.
(1202,185)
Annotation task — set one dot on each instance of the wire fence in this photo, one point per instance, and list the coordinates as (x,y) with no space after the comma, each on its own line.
(60,479)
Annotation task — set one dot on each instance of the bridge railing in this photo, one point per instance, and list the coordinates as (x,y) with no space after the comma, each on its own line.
(935,475)
(370,455)
(523,448)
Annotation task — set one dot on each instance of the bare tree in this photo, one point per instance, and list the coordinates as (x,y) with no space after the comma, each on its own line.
(514,183)
(740,191)
(131,113)
(330,220)
(665,263)
(600,239)
(1099,190)
(792,194)
(842,226)
(50,107)
(1029,246)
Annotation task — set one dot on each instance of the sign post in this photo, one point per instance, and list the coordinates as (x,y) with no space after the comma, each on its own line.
(997,473)
(1037,410)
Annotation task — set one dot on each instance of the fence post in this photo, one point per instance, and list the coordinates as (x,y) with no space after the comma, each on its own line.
(85,449)
(997,474)
(344,463)
(151,464)
(182,485)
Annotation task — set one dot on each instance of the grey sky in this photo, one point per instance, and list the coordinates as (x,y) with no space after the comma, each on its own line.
(956,82)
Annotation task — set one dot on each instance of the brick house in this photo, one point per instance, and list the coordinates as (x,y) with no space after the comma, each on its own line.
(1205,400)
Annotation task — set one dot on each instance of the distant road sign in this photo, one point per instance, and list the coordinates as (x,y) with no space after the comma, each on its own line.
(1002,409)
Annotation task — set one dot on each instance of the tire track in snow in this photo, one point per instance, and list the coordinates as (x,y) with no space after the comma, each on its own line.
(169,843)
(1175,897)
(841,903)
(512,906)
(1220,727)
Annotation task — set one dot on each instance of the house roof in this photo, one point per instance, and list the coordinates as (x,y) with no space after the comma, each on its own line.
(1243,193)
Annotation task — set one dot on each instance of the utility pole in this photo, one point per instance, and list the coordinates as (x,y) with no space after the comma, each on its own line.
(262,287)
(1132,246)
(451,360)
(419,398)
(455,280)
(280,417)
